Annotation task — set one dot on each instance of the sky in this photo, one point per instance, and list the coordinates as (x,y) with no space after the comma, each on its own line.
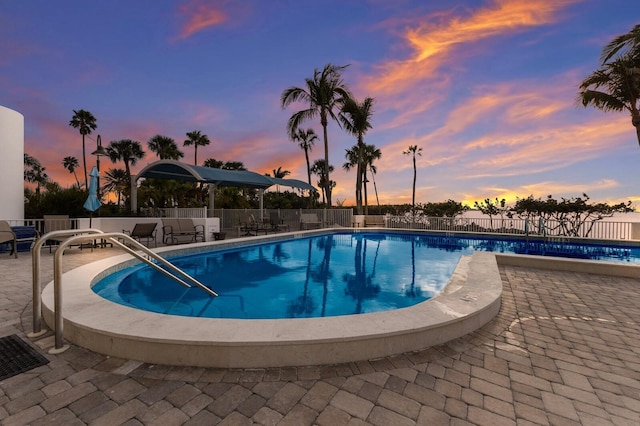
(486,88)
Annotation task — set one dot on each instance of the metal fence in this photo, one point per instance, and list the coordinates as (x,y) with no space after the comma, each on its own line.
(231,218)
(607,230)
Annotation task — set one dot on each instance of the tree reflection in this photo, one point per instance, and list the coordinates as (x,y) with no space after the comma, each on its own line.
(360,285)
(322,274)
(304,304)
(413,291)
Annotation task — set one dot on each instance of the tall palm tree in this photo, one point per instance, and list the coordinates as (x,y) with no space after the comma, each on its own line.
(85,122)
(324,93)
(614,87)
(318,168)
(116,181)
(127,151)
(196,138)
(413,150)
(371,154)
(71,164)
(305,140)
(356,120)
(165,148)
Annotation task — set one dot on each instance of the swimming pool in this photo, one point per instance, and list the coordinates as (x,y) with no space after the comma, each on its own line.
(319,276)
(471,298)
(326,275)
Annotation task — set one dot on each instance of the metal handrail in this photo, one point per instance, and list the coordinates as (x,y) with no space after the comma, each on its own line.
(88,235)
(35,272)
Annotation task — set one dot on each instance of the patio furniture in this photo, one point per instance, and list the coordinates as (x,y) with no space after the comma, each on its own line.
(309,221)
(374,220)
(276,223)
(56,222)
(143,231)
(249,226)
(16,235)
(176,230)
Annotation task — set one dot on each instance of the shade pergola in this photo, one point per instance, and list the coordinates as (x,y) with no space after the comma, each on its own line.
(171,169)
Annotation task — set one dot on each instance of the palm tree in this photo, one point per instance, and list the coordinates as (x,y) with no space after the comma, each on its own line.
(196,139)
(165,148)
(35,173)
(324,93)
(305,139)
(71,164)
(319,168)
(85,122)
(280,173)
(127,151)
(614,87)
(116,181)
(413,150)
(371,154)
(628,43)
(355,118)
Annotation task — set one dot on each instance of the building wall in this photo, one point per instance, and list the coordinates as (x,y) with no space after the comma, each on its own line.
(11,164)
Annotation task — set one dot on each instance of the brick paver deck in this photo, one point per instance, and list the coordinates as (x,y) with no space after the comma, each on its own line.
(563,351)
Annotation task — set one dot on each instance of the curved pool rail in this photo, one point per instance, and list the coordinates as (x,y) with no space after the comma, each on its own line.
(470,300)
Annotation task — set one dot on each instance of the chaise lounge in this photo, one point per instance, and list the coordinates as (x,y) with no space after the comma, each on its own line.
(143,231)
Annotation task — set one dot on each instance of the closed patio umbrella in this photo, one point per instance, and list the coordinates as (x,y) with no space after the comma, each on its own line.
(93,203)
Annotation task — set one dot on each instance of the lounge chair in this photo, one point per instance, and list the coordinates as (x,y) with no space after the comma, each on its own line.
(143,231)
(176,230)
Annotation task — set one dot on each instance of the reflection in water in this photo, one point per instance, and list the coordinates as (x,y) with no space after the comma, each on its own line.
(303,305)
(337,274)
(360,284)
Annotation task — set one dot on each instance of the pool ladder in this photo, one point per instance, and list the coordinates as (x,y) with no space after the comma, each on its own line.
(85,235)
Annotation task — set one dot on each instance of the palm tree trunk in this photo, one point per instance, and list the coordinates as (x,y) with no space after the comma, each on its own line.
(306,156)
(84,163)
(323,121)
(413,198)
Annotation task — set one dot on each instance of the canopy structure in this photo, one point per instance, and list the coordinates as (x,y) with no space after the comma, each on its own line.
(171,169)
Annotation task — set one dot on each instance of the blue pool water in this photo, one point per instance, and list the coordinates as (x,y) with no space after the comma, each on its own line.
(328,275)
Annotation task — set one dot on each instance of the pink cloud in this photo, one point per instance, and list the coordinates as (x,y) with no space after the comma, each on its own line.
(199,15)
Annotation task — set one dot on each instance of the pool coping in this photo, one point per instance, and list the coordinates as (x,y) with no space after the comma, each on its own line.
(470,300)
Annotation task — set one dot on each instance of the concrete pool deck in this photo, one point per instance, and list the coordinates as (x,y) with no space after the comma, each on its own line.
(562,350)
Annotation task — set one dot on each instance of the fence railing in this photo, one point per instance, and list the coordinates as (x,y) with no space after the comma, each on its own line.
(552,228)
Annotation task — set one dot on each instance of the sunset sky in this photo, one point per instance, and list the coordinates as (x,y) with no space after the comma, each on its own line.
(488,89)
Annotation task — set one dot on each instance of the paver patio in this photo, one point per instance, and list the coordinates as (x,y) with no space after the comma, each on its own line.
(564,350)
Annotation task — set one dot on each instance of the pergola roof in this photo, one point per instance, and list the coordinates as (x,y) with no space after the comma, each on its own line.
(171,169)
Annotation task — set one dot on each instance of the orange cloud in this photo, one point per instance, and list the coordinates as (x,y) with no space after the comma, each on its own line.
(433,41)
(199,15)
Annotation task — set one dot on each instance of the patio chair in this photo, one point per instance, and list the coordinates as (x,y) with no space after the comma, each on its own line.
(143,231)
(276,223)
(249,226)
(8,236)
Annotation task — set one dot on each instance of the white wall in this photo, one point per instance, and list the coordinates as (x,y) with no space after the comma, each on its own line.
(11,164)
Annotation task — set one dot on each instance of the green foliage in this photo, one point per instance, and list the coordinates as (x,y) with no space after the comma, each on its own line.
(63,201)
(568,215)
(284,200)
(447,208)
